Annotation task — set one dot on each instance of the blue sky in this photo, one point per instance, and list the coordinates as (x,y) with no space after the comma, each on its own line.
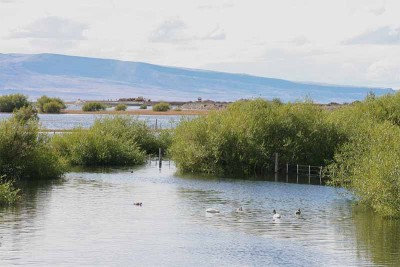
(353,42)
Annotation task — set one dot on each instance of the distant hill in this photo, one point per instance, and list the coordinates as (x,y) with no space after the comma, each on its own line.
(71,77)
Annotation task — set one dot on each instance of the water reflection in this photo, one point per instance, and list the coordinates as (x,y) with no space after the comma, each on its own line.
(377,238)
(91,214)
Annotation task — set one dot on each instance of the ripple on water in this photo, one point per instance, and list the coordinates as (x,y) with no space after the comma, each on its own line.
(90,219)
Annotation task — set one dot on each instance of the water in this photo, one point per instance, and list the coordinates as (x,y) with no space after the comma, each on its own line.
(70,121)
(89,219)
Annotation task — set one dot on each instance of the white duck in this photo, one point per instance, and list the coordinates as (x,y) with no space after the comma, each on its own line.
(298,212)
(240,209)
(276,215)
(210,210)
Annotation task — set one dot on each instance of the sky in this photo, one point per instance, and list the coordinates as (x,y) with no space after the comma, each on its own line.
(350,42)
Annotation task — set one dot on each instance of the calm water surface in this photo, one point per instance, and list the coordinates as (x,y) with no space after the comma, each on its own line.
(70,121)
(89,219)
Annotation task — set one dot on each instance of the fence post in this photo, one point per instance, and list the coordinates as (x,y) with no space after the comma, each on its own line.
(160,157)
(156,125)
(276,162)
(287,168)
(320,175)
(309,170)
(297,169)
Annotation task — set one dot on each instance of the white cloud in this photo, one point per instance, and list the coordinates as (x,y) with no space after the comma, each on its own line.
(375,7)
(381,36)
(171,30)
(175,30)
(52,28)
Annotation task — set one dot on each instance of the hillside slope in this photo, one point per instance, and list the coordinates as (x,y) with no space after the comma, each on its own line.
(72,77)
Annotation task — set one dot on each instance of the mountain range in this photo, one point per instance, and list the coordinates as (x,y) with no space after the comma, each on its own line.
(72,78)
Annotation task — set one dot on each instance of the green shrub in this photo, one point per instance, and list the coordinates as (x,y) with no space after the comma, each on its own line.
(25,114)
(162,106)
(50,105)
(367,163)
(8,193)
(121,107)
(93,106)
(9,103)
(242,139)
(143,106)
(25,153)
(110,141)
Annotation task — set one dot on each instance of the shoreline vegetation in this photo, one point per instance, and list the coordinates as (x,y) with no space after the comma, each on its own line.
(358,143)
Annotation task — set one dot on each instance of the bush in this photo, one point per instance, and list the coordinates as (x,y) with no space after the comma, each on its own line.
(121,107)
(50,105)
(162,106)
(25,114)
(110,141)
(143,106)
(9,103)
(93,106)
(367,163)
(242,139)
(25,153)
(8,194)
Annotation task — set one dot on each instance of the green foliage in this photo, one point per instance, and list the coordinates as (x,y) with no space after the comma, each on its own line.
(9,103)
(8,193)
(52,107)
(50,104)
(110,141)
(25,114)
(121,107)
(243,138)
(162,106)
(368,163)
(25,153)
(93,106)
(143,106)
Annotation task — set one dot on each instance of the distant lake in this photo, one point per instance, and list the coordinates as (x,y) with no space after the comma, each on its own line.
(69,121)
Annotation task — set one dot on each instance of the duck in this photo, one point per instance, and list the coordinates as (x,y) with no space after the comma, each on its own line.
(212,210)
(137,203)
(276,215)
(240,209)
(298,212)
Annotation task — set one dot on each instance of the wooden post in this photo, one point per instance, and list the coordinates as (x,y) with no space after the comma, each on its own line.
(160,157)
(276,162)
(287,167)
(309,170)
(156,125)
(297,170)
(320,175)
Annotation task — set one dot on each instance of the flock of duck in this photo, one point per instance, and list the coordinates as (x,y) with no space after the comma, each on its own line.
(239,210)
(275,215)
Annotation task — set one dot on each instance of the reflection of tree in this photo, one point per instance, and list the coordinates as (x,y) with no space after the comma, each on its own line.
(24,214)
(379,236)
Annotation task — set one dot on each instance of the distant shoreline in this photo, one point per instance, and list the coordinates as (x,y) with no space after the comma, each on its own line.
(138,112)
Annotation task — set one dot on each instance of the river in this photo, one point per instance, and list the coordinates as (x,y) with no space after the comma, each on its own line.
(88,219)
